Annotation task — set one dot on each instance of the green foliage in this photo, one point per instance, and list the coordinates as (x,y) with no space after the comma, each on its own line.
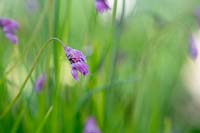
(135,67)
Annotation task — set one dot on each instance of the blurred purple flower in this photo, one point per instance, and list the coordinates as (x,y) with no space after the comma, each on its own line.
(91,126)
(10,28)
(32,5)
(78,62)
(13,38)
(193,47)
(198,15)
(102,6)
(40,82)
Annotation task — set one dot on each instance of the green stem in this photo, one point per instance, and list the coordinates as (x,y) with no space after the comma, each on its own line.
(55,49)
(114,11)
(114,44)
(29,75)
(18,120)
(44,120)
(67,23)
(56,32)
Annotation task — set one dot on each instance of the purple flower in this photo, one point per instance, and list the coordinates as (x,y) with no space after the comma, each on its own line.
(13,38)
(102,6)
(40,82)
(78,62)
(10,28)
(198,15)
(91,126)
(32,5)
(193,48)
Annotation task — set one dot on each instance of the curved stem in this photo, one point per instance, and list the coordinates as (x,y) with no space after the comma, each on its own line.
(60,41)
(29,75)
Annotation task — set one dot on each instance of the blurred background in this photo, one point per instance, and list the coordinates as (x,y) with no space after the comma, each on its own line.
(143,77)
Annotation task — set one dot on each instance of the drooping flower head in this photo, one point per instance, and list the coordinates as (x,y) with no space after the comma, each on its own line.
(91,126)
(102,6)
(78,62)
(193,49)
(10,28)
(40,82)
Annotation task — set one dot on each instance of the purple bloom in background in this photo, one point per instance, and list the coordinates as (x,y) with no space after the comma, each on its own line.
(13,38)
(91,126)
(40,82)
(193,48)
(102,6)
(78,62)
(198,15)
(32,5)
(10,28)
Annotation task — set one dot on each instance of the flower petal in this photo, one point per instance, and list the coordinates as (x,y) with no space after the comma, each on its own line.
(91,126)
(193,48)
(40,82)
(13,38)
(102,6)
(74,74)
(78,62)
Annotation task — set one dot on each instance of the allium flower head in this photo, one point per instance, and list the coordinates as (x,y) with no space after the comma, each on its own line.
(193,49)
(78,62)
(10,28)
(102,6)
(40,82)
(91,126)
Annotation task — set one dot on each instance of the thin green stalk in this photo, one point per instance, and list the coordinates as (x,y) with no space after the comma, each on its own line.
(18,120)
(55,49)
(114,12)
(110,38)
(44,120)
(28,76)
(56,66)
(67,23)
(115,40)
